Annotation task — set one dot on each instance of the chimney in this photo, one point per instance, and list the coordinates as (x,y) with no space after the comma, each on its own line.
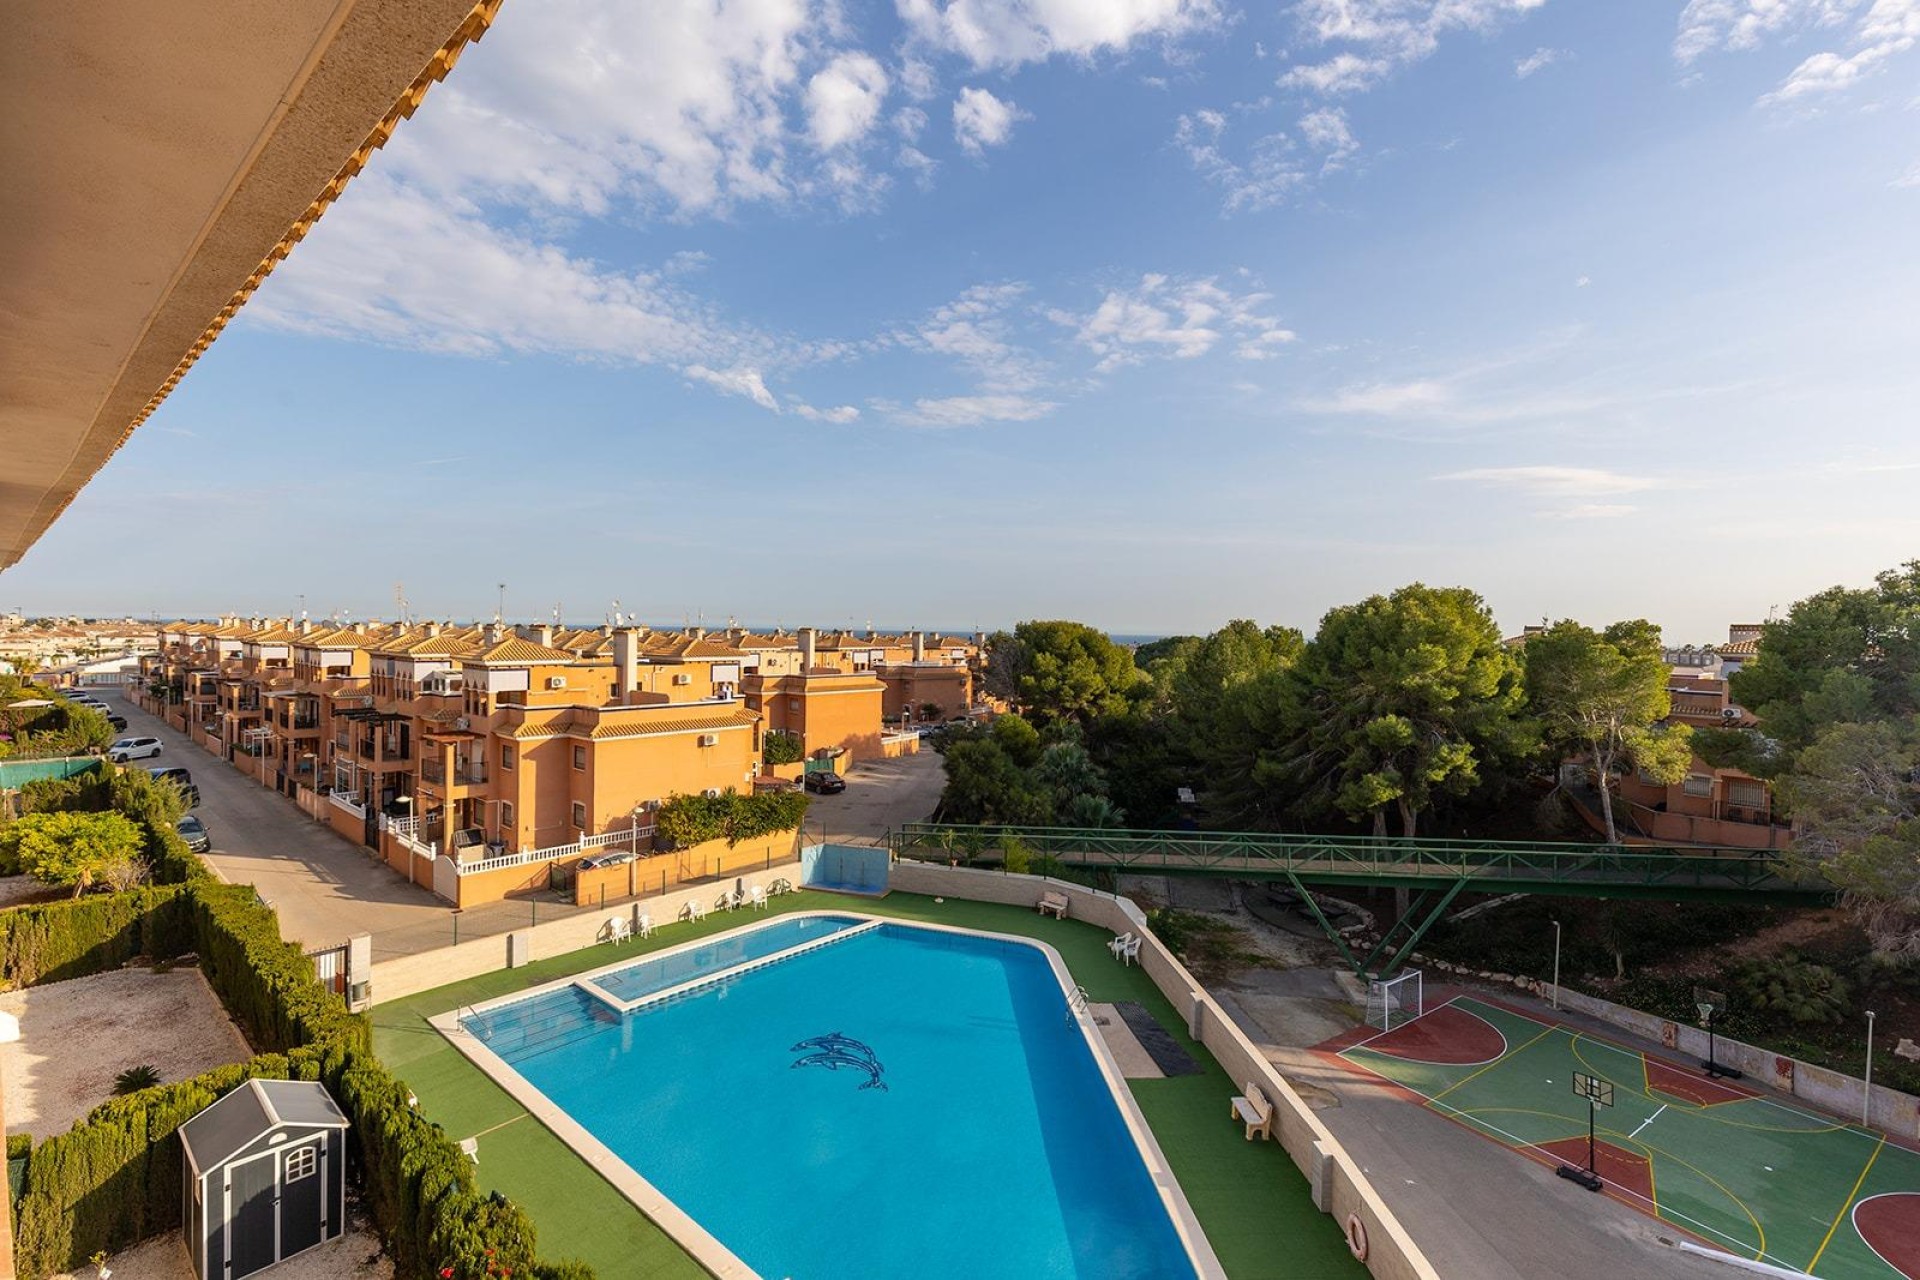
(698,633)
(626,660)
(494,633)
(359,628)
(919,646)
(543,634)
(807,635)
(433,629)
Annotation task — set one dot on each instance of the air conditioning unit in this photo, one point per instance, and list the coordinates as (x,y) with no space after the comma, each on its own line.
(1731,713)
(462,722)
(683,678)
(556,682)
(711,793)
(709,739)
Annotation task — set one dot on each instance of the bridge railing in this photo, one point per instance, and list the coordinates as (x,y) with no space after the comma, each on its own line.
(1367,856)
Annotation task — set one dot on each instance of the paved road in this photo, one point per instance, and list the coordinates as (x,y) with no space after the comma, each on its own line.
(880,795)
(326,889)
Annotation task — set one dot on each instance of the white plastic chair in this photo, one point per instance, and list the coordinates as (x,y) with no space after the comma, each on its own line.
(694,909)
(1118,944)
(758,896)
(646,925)
(1130,954)
(617,929)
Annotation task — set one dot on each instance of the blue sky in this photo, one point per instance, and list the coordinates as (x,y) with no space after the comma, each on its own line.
(1154,313)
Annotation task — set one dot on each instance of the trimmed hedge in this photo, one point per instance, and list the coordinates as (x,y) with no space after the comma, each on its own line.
(114,1179)
(56,941)
(267,984)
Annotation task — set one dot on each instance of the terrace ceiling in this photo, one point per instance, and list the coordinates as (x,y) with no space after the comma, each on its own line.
(159,158)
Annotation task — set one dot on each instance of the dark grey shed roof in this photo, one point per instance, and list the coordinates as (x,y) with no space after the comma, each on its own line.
(256,1108)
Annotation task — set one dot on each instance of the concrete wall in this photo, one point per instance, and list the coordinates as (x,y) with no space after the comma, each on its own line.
(655,874)
(1340,1188)
(409,975)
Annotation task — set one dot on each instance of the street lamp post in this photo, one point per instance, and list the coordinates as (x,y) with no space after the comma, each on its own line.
(1556,963)
(1866,1091)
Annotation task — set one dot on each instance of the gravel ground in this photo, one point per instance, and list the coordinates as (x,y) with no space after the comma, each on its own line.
(357,1253)
(15,890)
(75,1037)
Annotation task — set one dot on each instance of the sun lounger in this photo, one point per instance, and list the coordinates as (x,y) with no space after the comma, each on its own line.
(780,886)
(1254,1111)
(1052,904)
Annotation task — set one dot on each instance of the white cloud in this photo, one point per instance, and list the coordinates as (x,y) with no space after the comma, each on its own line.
(840,414)
(1340,74)
(1581,282)
(1911,178)
(967,411)
(1564,493)
(1383,36)
(1181,319)
(981,120)
(919,164)
(1273,172)
(1327,132)
(1389,399)
(1538,60)
(844,100)
(1706,25)
(735,382)
(1007,33)
(1876,30)
(1558,481)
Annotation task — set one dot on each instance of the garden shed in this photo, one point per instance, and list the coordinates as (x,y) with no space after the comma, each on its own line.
(266,1176)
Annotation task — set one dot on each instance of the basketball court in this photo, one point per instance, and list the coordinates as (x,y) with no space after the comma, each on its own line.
(1760,1178)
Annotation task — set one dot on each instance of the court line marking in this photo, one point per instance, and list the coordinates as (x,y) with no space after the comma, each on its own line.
(1376,1035)
(1826,1125)
(1506,1045)
(1855,1221)
(1649,1120)
(1524,1147)
(1491,1065)
(1847,1207)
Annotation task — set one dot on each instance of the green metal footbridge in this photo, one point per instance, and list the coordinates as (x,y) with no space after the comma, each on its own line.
(1438,870)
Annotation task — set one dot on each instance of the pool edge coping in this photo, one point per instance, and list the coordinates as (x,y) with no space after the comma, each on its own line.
(700,1244)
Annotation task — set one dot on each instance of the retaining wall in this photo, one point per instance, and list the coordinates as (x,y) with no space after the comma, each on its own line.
(1339,1187)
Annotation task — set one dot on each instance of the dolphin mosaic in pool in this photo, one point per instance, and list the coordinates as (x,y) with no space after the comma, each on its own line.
(834,1051)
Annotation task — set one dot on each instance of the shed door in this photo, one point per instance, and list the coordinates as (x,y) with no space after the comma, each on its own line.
(253,1223)
(303,1201)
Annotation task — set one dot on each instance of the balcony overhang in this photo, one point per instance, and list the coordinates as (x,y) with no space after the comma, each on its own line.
(162,158)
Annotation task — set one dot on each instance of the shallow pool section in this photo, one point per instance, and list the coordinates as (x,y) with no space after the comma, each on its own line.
(902,1102)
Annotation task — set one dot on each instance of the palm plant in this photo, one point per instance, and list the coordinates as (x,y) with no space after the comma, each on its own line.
(134,1079)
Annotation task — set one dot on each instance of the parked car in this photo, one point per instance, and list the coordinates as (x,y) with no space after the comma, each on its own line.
(133,749)
(117,720)
(195,833)
(614,859)
(825,783)
(180,778)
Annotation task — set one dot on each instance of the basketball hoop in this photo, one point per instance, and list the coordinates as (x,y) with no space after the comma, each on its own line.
(1598,1093)
(1711,1005)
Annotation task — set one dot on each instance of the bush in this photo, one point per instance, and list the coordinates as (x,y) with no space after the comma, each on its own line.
(77,849)
(781,747)
(267,985)
(685,821)
(55,941)
(85,791)
(134,1079)
(1796,989)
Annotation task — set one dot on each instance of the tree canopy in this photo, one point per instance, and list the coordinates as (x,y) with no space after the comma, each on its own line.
(74,848)
(1599,696)
(1062,670)
(1401,699)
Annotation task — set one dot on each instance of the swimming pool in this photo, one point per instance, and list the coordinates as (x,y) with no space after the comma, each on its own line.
(904,1101)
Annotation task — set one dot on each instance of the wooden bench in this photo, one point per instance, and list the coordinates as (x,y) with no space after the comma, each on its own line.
(1052,904)
(1254,1111)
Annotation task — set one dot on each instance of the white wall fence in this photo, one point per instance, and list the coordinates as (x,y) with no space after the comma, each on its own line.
(1831,1091)
(632,838)
(409,975)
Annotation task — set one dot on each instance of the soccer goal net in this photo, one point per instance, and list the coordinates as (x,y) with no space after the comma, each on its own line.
(1392,1002)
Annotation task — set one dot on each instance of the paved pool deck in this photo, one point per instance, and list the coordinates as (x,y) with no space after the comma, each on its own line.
(1254,1205)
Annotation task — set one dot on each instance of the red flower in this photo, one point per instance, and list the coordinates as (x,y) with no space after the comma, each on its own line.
(446,1273)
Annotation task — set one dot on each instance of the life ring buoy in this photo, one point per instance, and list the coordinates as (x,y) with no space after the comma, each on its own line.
(1356,1237)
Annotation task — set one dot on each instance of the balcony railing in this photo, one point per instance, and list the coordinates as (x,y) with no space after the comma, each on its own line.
(465,773)
(638,837)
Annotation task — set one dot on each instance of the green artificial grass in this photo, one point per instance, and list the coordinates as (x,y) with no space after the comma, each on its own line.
(1253,1204)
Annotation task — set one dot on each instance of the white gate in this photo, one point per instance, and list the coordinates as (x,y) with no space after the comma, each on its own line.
(330,966)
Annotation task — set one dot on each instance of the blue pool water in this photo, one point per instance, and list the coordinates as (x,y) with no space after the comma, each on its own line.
(957,1127)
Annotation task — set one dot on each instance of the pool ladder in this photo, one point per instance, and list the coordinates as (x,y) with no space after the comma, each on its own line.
(1076,1002)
